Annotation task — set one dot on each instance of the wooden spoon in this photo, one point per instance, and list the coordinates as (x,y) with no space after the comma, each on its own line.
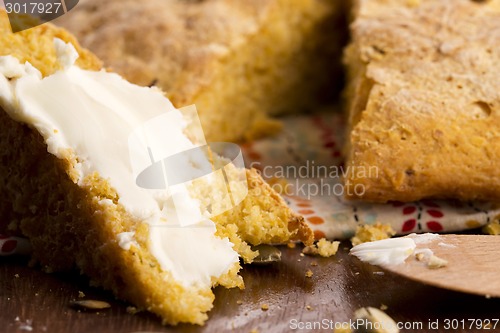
(473,264)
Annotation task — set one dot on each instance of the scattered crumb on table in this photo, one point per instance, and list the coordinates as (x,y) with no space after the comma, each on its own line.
(370,233)
(420,256)
(342,330)
(436,262)
(309,273)
(492,228)
(323,248)
(374,317)
(91,304)
(132,310)
(264,307)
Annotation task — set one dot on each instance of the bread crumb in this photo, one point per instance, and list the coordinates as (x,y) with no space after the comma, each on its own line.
(301,254)
(254,330)
(26,326)
(309,273)
(420,256)
(308,307)
(132,310)
(239,302)
(370,233)
(291,245)
(436,262)
(323,248)
(90,304)
(16,276)
(413,3)
(264,307)
(492,228)
(383,307)
(81,294)
(373,317)
(342,330)
(314,263)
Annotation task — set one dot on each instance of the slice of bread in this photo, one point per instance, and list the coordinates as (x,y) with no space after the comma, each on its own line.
(238,61)
(424,103)
(76,218)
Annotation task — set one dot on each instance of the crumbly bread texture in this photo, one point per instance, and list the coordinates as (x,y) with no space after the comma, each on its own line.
(322,248)
(37,46)
(372,232)
(238,61)
(424,103)
(70,226)
(263,217)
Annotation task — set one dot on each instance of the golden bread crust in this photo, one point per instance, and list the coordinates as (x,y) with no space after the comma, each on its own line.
(238,61)
(424,104)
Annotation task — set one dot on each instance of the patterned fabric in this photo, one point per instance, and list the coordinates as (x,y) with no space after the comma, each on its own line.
(14,245)
(308,155)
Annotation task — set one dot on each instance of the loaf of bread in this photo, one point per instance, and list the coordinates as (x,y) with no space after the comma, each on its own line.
(76,217)
(423,100)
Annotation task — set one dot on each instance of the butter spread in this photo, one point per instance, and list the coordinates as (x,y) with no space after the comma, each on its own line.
(392,251)
(92,115)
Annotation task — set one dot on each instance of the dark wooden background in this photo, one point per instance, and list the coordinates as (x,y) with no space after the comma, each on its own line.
(339,286)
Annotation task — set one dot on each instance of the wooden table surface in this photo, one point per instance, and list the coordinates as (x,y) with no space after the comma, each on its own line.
(339,286)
